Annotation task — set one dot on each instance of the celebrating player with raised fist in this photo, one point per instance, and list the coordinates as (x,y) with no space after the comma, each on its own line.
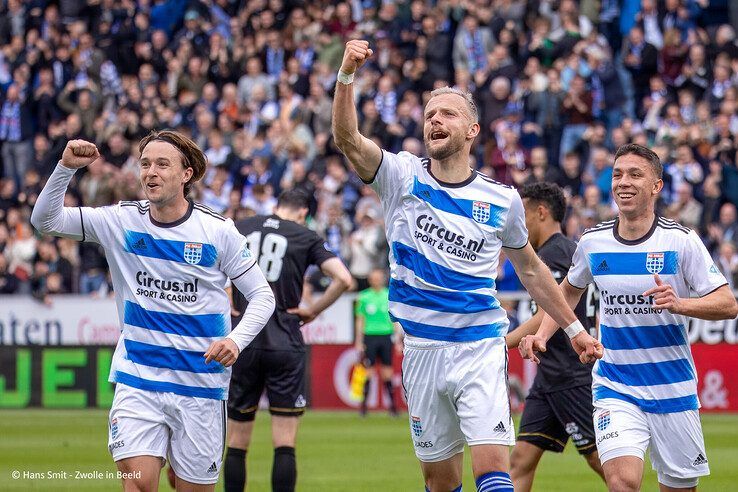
(446,225)
(170,259)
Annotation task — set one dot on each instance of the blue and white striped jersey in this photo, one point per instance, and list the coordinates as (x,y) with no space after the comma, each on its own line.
(445,242)
(169,282)
(647,358)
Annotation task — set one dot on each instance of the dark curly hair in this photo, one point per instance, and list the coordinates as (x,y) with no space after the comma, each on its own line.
(549,195)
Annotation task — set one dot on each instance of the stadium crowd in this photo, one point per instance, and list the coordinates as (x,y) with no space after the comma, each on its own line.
(560,84)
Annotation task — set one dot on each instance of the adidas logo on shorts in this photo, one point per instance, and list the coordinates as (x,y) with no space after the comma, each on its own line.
(701,460)
(499,427)
(213,468)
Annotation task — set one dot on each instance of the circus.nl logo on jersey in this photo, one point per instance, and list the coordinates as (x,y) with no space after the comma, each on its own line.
(193,253)
(654,262)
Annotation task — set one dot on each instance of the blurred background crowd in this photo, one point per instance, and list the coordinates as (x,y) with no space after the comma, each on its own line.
(560,84)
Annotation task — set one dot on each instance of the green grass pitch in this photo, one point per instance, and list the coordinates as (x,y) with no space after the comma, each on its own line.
(337,451)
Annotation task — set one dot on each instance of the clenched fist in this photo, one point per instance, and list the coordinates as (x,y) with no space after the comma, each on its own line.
(79,153)
(356,54)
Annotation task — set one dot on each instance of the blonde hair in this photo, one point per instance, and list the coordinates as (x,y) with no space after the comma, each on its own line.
(471,106)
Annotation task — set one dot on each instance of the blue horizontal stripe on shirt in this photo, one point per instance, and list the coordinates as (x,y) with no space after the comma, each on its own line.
(170,358)
(186,325)
(441,200)
(647,374)
(642,337)
(436,274)
(143,244)
(441,300)
(166,387)
(631,264)
(666,405)
(447,334)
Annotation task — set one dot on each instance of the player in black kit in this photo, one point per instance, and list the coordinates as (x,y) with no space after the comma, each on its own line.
(275,360)
(559,404)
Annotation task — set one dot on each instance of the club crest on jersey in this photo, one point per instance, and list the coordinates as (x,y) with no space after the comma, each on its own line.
(193,253)
(654,262)
(114,428)
(481,212)
(603,421)
(417,427)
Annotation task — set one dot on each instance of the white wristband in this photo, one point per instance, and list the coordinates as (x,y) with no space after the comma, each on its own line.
(574,329)
(345,78)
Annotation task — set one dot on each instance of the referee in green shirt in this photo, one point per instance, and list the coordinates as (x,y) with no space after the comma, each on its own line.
(374,331)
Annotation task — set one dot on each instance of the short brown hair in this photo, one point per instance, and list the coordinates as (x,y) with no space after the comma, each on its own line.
(646,153)
(192,156)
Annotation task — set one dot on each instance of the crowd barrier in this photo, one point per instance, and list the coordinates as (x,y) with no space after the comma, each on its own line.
(58,355)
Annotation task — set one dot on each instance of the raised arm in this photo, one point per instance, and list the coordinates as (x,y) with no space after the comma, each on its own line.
(363,154)
(49,215)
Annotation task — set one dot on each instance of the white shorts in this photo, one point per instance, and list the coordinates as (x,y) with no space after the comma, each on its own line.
(189,431)
(677,448)
(456,393)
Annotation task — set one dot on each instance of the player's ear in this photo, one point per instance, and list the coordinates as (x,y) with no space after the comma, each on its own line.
(658,186)
(187,174)
(473,131)
(542,211)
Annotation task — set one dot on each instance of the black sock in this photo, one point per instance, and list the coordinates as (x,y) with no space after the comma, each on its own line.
(366,393)
(234,474)
(284,469)
(391,393)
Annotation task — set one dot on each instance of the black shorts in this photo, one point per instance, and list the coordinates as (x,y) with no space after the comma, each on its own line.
(550,419)
(280,372)
(378,347)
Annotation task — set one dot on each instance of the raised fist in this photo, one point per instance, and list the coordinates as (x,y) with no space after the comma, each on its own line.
(79,153)
(356,54)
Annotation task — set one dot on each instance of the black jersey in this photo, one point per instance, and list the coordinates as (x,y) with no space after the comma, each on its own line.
(560,367)
(284,250)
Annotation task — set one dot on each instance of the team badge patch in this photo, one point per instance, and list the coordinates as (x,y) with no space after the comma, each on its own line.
(481,212)
(417,427)
(654,262)
(603,421)
(114,428)
(193,253)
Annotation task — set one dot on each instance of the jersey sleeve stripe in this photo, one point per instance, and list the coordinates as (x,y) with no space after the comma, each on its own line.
(482,212)
(642,337)
(444,333)
(245,271)
(647,374)
(82,223)
(167,387)
(437,274)
(442,301)
(143,244)
(373,178)
(667,405)
(188,325)
(170,358)
(520,247)
(209,212)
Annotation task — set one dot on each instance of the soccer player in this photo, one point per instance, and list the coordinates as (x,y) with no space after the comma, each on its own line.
(374,330)
(275,361)
(645,386)
(559,404)
(446,225)
(169,261)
